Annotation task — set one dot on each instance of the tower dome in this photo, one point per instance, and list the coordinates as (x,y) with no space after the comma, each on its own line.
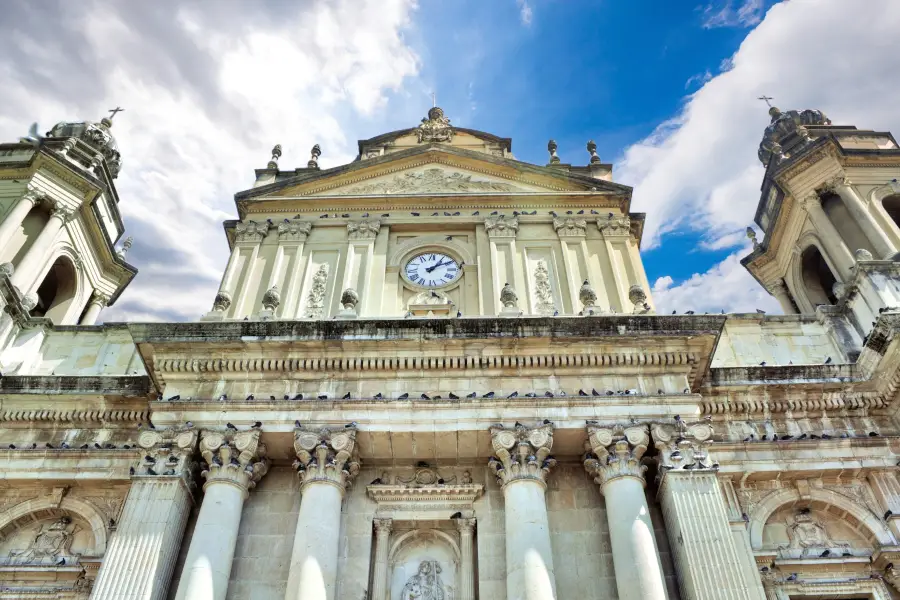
(788,132)
(96,135)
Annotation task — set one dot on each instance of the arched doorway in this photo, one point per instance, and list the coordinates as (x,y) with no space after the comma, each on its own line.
(57,291)
(818,280)
(891,206)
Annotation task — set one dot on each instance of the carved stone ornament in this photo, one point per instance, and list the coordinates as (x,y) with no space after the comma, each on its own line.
(787,125)
(806,531)
(426,584)
(222,301)
(862,254)
(235,457)
(50,542)
(61,212)
(251,231)
(501,227)
(363,230)
(431,180)
(551,148)
(751,235)
(612,225)
(425,475)
(638,297)
(326,455)
(543,293)
(570,226)
(271,299)
(167,452)
(7,269)
(616,451)
(592,149)
(508,296)
(349,299)
(435,128)
(315,300)
(522,453)
(588,298)
(683,446)
(293,230)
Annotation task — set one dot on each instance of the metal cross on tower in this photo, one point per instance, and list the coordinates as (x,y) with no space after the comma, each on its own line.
(766,100)
(113,111)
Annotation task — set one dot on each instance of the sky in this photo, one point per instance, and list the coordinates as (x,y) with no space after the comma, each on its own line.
(668,90)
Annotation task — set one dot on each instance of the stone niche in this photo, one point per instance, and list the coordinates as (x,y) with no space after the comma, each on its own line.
(806,533)
(423,564)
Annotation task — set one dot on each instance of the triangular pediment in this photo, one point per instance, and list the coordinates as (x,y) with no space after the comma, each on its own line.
(433,178)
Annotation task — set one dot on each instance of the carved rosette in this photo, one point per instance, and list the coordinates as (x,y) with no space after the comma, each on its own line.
(293,230)
(616,451)
(683,446)
(234,457)
(222,301)
(522,453)
(326,455)
(251,231)
(570,226)
(271,299)
(315,300)
(167,452)
(501,227)
(614,226)
(363,230)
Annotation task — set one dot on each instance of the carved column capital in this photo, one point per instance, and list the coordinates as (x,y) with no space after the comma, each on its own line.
(365,229)
(612,225)
(835,183)
(326,455)
(616,451)
(294,230)
(61,211)
(570,226)
(234,457)
(522,453)
(33,196)
(810,202)
(683,446)
(167,452)
(465,526)
(250,231)
(383,526)
(501,227)
(100,299)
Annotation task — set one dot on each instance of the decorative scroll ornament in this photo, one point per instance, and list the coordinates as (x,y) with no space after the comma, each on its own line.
(638,297)
(508,296)
(293,230)
(616,451)
(613,225)
(433,180)
(522,453)
(222,301)
(328,455)
(501,227)
(683,447)
(251,231)
(542,291)
(363,230)
(167,452)
(435,128)
(569,226)
(315,300)
(236,457)
(271,299)
(426,584)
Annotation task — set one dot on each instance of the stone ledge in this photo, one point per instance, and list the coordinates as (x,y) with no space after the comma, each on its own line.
(127,386)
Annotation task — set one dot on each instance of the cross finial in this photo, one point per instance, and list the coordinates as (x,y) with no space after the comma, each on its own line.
(113,111)
(766,99)
(433,99)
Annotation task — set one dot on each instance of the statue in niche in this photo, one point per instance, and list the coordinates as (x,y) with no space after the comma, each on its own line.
(426,584)
(51,541)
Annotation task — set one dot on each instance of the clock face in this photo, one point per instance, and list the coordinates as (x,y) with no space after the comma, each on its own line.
(432,269)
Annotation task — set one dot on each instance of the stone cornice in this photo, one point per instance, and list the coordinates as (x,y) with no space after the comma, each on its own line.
(128,386)
(387,495)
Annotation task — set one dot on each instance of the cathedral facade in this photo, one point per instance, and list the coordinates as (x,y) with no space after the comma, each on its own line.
(438,373)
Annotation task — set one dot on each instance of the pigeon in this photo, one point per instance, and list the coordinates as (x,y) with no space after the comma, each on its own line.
(403,396)
(449,238)
(223,397)
(873,434)
(250,398)
(230,426)
(594,392)
(677,418)
(33,137)
(513,395)
(453,396)
(472,395)
(323,397)
(568,212)
(414,214)
(85,446)
(257,425)
(150,471)
(346,396)
(488,395)
(96,445)
(761,312)
(434,214)
(826,553)
(159,396)
(61,562)
(555,313)
(33,446)
(376,481)
(379,396)
(762,364)
(828,361)
(131,470)
(582,393)
(888,514)
(456,515)
(793,577)
(553,212)
(298,397)
(548,422)
(519,424)
(12,446)
(548,394)
(272,398)
(49,445)
(476,213)
(609,392)
(297,423)
(169,472)
(174,398)
(350,425)
(172,459)
(150,459)
(458,314)
(425,397)
(689,312)
(494,213)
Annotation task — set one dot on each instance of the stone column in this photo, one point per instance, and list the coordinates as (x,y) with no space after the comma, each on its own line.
(709,565)
(886,488)
(380,568)
(878,237)
(466,586)
(141,556)
(522,463)
(27,269)
(96,304)
(327,462)
(615,463)
(235,463)
(780,292)
(16,216)
(835,246)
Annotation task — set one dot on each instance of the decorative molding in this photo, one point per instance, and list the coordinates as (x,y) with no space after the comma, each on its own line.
(614,225)
(315,300)
(522,453)
(168,452)
(86,416)
(501,227)
(616,451)
(683,447)
(432,180)
(365,229)
(570,226)
(249,231)
(326,455)
(233,457)
(420,496)
(293,230)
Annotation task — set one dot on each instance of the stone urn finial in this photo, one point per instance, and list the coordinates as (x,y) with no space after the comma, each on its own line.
(551,148)
(315,153)
(349,299)
(592,149)
(271,299)
(588,297)
(222,301)
(508,296)
(276,154)
(638,297)
(751,235)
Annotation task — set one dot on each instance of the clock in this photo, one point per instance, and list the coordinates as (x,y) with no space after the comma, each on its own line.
(431,269)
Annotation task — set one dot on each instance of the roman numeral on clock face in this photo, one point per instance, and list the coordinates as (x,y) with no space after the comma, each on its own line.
(431,269)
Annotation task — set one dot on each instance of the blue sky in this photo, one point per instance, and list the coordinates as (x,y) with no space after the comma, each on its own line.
(666,88)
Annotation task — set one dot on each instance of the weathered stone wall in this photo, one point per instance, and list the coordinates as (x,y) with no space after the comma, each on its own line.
(775,340)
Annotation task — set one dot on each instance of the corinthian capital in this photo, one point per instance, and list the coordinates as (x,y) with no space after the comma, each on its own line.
(294,230)
(235,457)
(683,446)
(522,453)
(501,227)
(251,231)
(167,452)
(570,226)
(616,451)
(366,229)
(61,212)
(836,182)
(327,455)
(810,201)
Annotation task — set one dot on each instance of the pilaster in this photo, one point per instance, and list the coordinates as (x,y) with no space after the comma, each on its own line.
(886,487)
(380,567)
(248,236)
(466,587)
(572,233)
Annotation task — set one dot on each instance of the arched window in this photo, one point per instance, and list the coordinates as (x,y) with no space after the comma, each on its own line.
(846,225)
(57,291)
(891,206)
(818,280)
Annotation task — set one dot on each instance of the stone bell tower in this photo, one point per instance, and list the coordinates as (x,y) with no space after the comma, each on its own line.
(59,222)
(829,212)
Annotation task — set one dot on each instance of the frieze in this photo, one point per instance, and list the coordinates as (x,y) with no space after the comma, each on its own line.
(432,181)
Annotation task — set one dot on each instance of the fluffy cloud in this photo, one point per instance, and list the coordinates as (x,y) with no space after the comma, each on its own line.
(726,14)
(699,170)
(207,94)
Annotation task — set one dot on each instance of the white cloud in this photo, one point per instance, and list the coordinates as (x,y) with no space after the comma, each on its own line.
(723,13)
(207,94)
(525,12)
(699,170)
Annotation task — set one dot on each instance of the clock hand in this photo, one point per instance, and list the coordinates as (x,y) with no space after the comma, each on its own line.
(432,268)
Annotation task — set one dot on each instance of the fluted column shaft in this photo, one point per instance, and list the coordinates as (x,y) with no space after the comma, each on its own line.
(25,276)
(522,465)
(466,585)
(380,569)
(326,462)
(616,466)
(884,247)
(16,216)
(141,556)
(235,463)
